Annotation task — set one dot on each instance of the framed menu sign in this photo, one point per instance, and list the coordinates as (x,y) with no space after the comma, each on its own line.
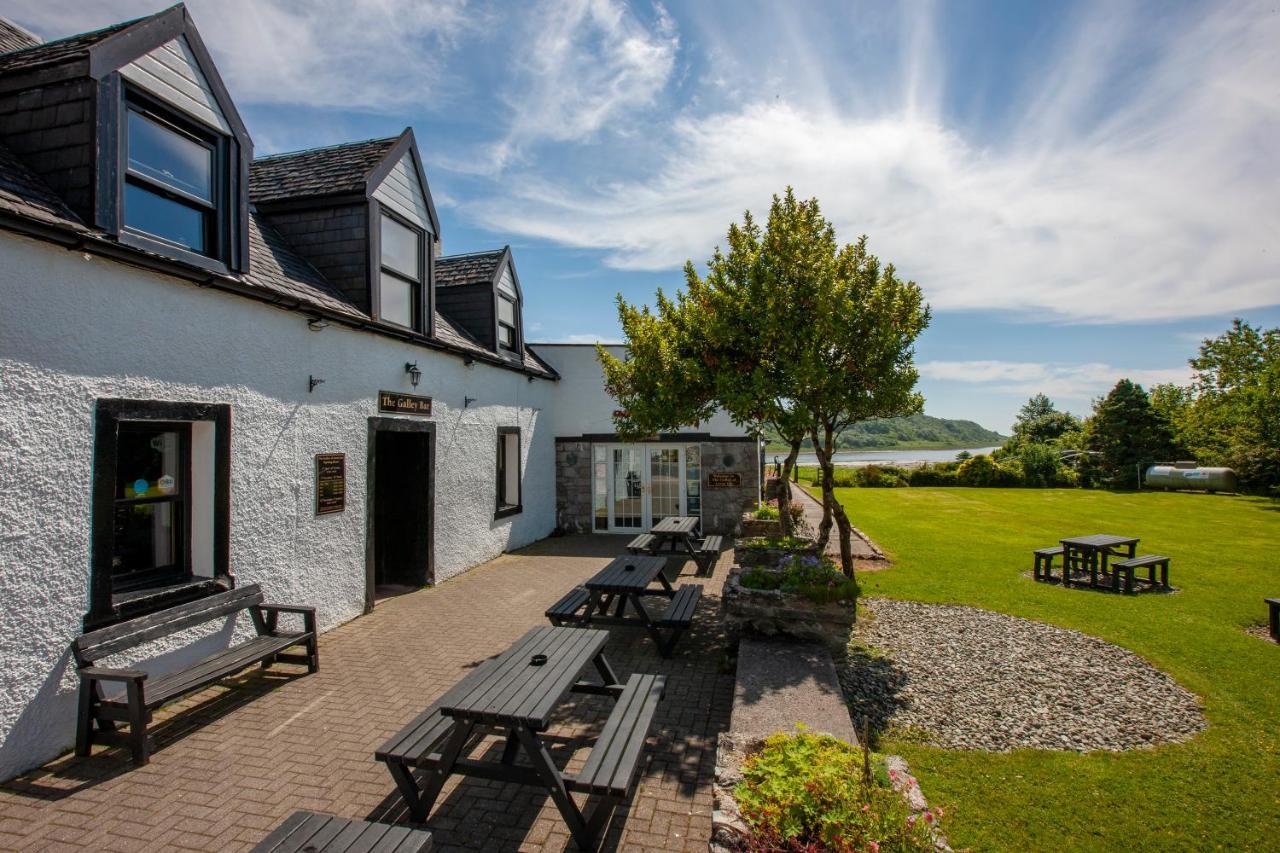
(331,483)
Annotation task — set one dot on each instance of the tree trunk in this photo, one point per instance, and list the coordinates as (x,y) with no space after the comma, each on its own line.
(831,508)
(784,489)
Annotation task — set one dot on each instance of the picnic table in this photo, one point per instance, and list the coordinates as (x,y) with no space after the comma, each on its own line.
(514,695)
(1093,552)
(616,595)
(679,533)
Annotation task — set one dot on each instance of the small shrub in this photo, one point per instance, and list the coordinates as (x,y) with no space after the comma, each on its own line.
(808,792)
(795,543)
(980,470)
(765,512)
(815,578)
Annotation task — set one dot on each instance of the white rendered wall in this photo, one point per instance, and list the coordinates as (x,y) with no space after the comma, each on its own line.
(74,329)
(583,407)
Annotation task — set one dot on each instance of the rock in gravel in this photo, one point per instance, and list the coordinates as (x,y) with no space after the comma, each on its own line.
(965,678)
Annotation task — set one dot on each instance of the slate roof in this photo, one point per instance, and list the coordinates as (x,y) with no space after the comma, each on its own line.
(24,194)
(316,172)
(14,37)
(472,268)
(59,50)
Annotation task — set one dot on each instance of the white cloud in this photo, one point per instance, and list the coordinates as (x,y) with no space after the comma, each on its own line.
(589,339)
(582,67)
(375,55)
(1058,380)
(1151,200)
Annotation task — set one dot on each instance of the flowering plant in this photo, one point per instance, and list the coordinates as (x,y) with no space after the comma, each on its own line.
(814,577)
(809,792)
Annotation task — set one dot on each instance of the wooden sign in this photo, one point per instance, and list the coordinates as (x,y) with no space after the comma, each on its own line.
(403,404)
(724,480)
(331,483)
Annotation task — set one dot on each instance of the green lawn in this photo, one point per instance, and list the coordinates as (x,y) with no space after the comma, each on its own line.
(1220,790)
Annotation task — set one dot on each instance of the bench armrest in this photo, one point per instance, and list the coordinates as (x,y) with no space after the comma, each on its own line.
(99,673)
(272,612)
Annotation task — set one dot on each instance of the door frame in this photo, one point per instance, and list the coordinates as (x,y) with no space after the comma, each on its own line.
(646,480)
(383,424)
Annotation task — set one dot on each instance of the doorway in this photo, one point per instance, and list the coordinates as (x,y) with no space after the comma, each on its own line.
(401,518)
(638,485)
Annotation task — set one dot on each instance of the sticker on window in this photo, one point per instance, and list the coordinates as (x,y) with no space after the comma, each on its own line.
(165,483)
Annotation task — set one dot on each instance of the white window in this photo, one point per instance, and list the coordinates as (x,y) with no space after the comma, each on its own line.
(506,322)
(508,471)
(400,281)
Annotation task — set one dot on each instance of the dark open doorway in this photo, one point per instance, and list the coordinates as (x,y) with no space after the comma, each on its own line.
(401,517)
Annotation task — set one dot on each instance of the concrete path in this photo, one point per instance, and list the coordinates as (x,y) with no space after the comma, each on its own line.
(863,547)
(780,684)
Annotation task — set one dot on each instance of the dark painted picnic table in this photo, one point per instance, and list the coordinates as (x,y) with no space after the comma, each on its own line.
(515,694)
(1093,552)
(676,531)
(622,587)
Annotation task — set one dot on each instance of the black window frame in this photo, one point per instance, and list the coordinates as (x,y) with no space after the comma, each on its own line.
(420,306)
(217,211)
(107,605)
(501,509)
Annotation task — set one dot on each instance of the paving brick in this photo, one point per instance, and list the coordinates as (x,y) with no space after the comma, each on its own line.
(232,762)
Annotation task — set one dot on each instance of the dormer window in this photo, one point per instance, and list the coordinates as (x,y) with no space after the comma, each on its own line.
(169,190)
(402,272)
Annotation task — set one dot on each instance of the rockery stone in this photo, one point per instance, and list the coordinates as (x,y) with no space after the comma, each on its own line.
(965,678)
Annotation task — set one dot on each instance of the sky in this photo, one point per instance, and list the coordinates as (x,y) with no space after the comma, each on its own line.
(1083,190)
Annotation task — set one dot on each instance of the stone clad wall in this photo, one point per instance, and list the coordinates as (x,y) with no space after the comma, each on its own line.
(573,486)
(721,507)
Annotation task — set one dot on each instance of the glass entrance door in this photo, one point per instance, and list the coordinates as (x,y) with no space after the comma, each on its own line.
(626,489)
(637,485)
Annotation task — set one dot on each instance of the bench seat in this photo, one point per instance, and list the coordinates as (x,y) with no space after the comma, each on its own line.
(706,552)
(568,608)
(1273,617)
(679,613)
(321,833)
(97,715)
(1043,569)
(415,744)
(614,763)
(643,544)
(1151,562)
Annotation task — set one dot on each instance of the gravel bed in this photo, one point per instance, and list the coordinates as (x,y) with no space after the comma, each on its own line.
(965,678)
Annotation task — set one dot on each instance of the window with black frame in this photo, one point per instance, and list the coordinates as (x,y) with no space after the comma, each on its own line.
(172,182)
(402,271)
(506,322)
(151,511)
(508,471)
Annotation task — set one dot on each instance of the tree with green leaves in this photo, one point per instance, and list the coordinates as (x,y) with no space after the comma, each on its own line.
(1127,433)
(1039,422)
(788,329)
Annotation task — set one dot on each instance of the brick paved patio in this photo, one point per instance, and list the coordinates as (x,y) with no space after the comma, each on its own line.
(232,761)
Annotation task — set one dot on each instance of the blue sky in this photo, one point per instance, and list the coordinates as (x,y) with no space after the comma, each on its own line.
(1083,190)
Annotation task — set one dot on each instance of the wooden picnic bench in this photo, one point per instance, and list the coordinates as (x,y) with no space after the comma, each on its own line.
(312,832)
(679,533)
(1043,569)
(1273,621)
(645,543)
(1093,553)
(144,694)
(514,695)
(1150,562)
(622,586)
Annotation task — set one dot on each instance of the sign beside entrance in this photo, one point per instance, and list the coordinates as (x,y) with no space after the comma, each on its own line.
(331,483)
(724,480)
(403,404)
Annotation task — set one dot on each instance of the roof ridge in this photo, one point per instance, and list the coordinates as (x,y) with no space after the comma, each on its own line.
(471,254)
(109,28)
(282,154)
(36,39)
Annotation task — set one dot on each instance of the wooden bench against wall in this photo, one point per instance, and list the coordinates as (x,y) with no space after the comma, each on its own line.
(97,715)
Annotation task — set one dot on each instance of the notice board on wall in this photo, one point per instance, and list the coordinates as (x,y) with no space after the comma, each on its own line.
(331,483)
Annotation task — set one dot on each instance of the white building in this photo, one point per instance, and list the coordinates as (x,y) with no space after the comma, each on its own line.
(215,369)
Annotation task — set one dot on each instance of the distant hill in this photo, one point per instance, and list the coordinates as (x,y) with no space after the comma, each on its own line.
(917,431)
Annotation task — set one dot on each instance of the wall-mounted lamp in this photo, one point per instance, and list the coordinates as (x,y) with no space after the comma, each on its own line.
(315,324)
(468,360)
(411,368)
(467,401)
(531,378)
(312,382)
